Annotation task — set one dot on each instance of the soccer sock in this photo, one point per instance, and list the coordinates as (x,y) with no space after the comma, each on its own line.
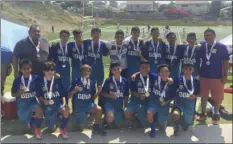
(152,126)
(38,122)
(96,126)
(64,123)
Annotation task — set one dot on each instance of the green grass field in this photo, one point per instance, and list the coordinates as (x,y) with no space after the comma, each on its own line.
(108,34)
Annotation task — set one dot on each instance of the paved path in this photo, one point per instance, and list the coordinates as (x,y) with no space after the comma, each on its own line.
(195,134)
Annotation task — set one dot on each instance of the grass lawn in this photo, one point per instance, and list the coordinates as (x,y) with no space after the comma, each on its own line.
(108,34)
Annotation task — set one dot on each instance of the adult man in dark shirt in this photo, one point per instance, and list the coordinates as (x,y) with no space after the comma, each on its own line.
(34,47)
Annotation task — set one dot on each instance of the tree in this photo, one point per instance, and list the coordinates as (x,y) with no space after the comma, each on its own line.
(215,8)
(76,4)
(171,5)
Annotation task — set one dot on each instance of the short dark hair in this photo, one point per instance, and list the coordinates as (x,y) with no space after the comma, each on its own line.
(163,66)
(193,34)
(75,32)
(187,65)
(24,62)
(119,32)
(33,26)
(64,31)
(112,65)
(95,29)
(144,62)
(170,33)
(137,29)
(49,65)
(209,30)
(154,29)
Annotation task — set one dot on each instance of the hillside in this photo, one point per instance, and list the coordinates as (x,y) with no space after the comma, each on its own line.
(44,15)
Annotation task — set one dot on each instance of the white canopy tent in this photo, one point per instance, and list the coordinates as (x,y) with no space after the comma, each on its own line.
(228,42)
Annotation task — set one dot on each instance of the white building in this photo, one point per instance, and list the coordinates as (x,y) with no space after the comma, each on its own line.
(193,7)
(140,6)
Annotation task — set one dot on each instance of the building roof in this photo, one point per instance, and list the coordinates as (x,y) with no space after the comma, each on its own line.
(130,2)
(191,2)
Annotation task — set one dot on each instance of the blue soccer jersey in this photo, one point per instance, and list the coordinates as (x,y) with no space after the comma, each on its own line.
(111,86)
(76,53)
(94,53)
(155,54)
(57,93)
(173,59)
(189,56)
(133,60)
(27,102)
(59,55)
(185,89)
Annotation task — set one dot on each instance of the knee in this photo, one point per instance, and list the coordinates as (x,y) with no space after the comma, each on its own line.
(175,115)
(39,112)
(99,110)
(110,117)
(127,114)
(66,112)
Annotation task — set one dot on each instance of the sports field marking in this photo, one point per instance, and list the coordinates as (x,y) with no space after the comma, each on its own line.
(178,33)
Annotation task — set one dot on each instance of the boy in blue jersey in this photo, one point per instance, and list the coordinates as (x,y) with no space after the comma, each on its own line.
(52,94)
(115,95)
(58,53)
(184,104)
(154,51)
(82,92)
(24,89)
(159,100)
(139,94)
(189,55)
(173,55)
(95,49)
(134,46)
(76,53)
(118,52)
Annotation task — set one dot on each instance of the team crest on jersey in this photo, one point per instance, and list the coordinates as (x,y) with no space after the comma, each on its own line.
(139,84)
(74,49)
(111,86)
(59,51)
(181,87)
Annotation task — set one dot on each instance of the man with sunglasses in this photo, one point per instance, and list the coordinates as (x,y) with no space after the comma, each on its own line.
(58,53)
(115,95)
(34,48)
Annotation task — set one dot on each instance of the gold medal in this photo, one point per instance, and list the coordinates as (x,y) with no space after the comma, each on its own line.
(147,94)
(51,102)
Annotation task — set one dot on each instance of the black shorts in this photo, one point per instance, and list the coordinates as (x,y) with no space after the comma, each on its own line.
(123,73)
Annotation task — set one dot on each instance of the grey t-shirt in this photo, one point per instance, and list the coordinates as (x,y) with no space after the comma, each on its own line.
(24,49)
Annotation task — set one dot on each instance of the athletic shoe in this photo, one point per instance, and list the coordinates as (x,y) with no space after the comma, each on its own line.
(63,133)
(185,127)
(99,131)
(176,130)
(38,133)
(152,133)
(215,119)
(202,117)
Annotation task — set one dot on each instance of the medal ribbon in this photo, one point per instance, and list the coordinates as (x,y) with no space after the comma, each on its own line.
(115,83)
(86,82)
(155,50)
(162,94)
(82,48)
(49,93)
(135,48)
(36,46)
(174,52)
(185,84)
(64,53)
(146,86)
(92,48)
(187,50)
(29,82)
(208,55)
